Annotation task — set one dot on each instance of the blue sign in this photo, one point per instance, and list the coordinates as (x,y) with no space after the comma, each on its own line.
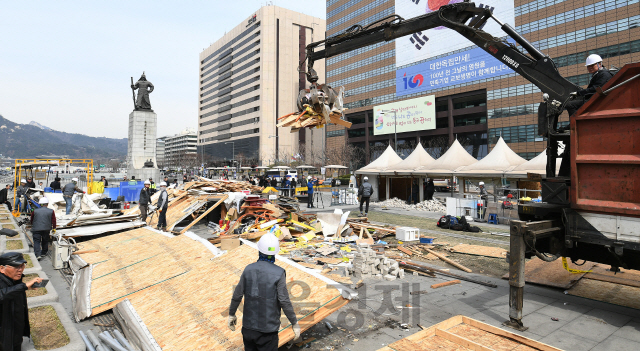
(462,67)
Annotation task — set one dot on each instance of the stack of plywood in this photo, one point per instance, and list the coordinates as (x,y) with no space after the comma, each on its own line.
(181,289)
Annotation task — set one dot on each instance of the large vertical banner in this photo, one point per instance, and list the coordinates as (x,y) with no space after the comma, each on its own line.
(441,40)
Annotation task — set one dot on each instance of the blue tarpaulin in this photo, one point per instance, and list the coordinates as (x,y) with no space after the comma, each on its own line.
(130,191)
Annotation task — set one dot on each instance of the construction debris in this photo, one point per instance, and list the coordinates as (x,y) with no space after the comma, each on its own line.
(317,106)
(426,205)
(440,285)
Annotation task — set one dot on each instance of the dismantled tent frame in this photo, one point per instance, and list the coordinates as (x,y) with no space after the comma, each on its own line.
(138,270)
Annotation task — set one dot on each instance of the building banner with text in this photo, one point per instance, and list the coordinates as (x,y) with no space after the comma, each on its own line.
(410,115)
(423,45)
(458,68)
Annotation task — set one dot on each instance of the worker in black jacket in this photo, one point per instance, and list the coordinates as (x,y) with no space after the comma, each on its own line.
(600,76)
(55,185)
(364,193)
(14,322)
(43,220)
(145,199)
(4,197)
(263,285)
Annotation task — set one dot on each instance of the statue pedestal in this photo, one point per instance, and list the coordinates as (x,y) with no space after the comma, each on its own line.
(142,145)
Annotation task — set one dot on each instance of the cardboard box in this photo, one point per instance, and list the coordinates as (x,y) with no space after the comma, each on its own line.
(229,244)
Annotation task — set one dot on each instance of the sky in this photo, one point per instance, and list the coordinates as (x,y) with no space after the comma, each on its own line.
(68,64)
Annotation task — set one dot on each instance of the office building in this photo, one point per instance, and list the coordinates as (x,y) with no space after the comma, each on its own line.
(160,152)
(181,150)
(477,98)
(250,77)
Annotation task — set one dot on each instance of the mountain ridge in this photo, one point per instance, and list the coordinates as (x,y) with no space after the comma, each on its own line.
(33,139)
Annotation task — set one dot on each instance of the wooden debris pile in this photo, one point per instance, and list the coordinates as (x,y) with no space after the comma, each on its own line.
(317,106)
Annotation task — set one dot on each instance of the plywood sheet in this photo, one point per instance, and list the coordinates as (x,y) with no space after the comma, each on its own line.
(479,250)
(616,294)
(182,291)
(190,311)
(463,333)
(624,277)
(537,271)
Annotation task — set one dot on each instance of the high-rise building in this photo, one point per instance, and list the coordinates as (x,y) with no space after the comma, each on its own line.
(477,98)
(160,152)
(181,150)
(250,77)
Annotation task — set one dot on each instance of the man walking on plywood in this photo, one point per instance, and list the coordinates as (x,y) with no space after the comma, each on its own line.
(264,287)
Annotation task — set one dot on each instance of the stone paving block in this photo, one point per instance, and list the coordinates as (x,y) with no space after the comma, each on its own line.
(617,343)
(50,296)
(559,310)
(527,308)
(630,331)
(541,324)
(36,264)
(75,341)
(612,318)
(590,328)
(568,341)
(496,319)
(538,298)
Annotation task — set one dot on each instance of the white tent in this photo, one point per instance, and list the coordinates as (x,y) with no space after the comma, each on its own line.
(386,160)
(418,158)
(455,158)
(500,160)
(537,164)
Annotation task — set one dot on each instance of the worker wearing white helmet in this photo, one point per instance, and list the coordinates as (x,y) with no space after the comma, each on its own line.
(364,194)
(145,199)
(43,220)
(68,191)
(600,76)
(162,205)
(482,204)
(264,288)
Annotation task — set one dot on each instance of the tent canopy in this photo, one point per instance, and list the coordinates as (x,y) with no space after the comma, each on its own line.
(418,158)
(336,166)
(386,160)
(304,166)
(452,160)
(501,159)
(537,164)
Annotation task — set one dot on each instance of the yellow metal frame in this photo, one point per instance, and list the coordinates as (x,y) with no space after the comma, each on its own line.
(46,162)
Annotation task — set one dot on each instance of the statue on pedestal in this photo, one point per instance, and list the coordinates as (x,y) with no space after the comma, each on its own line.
(144,89)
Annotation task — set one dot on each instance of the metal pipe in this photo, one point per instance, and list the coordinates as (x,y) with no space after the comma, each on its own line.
(86,341)
(122,339)
(95,341)
(111,342)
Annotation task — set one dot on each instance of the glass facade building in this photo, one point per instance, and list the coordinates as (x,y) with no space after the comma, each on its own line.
(479,110)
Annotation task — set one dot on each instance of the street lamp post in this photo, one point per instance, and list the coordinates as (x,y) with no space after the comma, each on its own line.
(395,129)
(275,136)
(233,149)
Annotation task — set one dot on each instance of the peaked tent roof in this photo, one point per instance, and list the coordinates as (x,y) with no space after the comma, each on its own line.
(418,158)
(453,159)
(537,164)
(501,159)
(387,159)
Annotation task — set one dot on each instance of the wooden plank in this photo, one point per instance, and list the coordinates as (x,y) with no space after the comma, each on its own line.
(537,271)
(440,285)
(339,121)
(479,250)
(616,294)
(612,279)
(521,339)
(461,341)
(455,264)
(204,214)
(405,250)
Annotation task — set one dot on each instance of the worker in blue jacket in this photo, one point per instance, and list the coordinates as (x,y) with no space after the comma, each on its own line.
(310,183)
